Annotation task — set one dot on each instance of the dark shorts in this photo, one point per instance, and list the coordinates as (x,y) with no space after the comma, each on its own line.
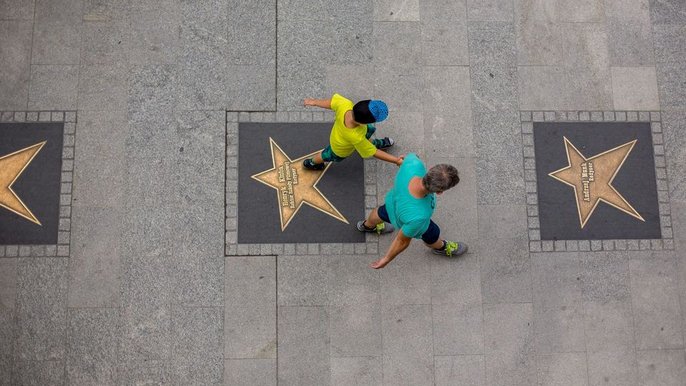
(430,236)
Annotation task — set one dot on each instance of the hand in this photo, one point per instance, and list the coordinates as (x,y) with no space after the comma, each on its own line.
(379,263)
(400,160)
(308,102)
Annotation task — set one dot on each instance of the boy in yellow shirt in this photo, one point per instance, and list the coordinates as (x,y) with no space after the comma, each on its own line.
(351,131)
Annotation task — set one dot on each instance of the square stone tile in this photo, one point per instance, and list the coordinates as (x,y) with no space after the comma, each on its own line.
(249,372)
(389,10)
(559,329)
(303,346)
(53,87)
(505,268)
(635,88)
(405,327)
(608,326)
(356,370)
(15,38)
(93,337)
(457,329)
(444,33)
(17,9)
(661,367)
(355,330)
(40,372)
(612,368)
(562,369)
(459,370)
(491,10)
(56,43)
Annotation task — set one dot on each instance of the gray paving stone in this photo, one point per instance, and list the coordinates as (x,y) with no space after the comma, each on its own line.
(669,46)
(8,283)
(605,277)
(146,308)
(37,373)
(61,10)
(609,326)
(444,32)
(630,39)
(249,372)
(353,81)
(612,368)
(559,329)
(250,307)
(198,280)
(56,42)
(539,88)
(396,44)
(492,43)
(302,281)
(355,330)
(661,367)
(539,43)
(41,308)
(505,266)
(671,86)
(197,333)
(102,87)
(674,122)
(92,336)
(502,221)
(53,87)
(509,350)
(655,304)
(16,10)
(298,81)
(585,45)
(15,38)
(562,369)
(94,266)
(667,12)
(146,372)
(350,281)
(501,180)
(459,370)
(634,88)
(8,322)
(491,10)
(407,279)
(457,329)
(389,10)
(557,279)
(400,88)
(324,10)
(356,370)
(407,326)
(303,347)
(208,371)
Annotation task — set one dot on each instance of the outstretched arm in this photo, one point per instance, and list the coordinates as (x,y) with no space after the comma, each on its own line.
(399,244)
(382,155)
(323,103)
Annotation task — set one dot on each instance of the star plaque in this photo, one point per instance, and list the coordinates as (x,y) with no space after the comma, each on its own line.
(596,180)
(30,182)
(279,201)
(295,185)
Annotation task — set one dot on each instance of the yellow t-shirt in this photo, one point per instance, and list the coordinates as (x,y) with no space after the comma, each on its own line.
(344,141)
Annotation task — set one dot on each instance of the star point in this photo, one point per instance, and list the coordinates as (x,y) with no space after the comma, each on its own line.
(11,167)
(592,179)
(295,185)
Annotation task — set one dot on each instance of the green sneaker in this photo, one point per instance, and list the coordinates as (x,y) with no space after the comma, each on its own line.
(451,249)
(378,229)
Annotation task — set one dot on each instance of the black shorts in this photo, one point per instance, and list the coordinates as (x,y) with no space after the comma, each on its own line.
(430,236)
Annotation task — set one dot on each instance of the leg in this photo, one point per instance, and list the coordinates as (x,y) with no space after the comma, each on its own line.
(318,158)
(371,129)
(373,219)
(432,236)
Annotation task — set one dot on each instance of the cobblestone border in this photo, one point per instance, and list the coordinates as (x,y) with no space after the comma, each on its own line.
(61,249)
(232,247)
(527,119)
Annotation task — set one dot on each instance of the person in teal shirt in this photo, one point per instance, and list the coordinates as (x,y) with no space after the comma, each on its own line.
(409,206)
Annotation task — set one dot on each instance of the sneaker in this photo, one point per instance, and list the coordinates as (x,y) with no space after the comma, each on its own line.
(451,249)
(384,143)
(378,229)
(309,164)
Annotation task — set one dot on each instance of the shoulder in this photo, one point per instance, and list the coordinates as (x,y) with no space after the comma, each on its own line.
(338,100)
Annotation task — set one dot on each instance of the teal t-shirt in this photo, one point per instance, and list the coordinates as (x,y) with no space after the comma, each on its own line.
(409,214)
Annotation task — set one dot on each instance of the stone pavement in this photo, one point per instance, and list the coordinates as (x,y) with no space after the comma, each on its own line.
(146,285)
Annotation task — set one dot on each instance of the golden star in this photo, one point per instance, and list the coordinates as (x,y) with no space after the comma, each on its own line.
(592,179)
(295,185)
(11,167)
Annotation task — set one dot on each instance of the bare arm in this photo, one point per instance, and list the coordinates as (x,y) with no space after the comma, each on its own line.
(382,155)
(323,103)
(399,244)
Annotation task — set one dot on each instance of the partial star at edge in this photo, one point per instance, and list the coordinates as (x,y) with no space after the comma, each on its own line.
(295,185)
(11,167)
